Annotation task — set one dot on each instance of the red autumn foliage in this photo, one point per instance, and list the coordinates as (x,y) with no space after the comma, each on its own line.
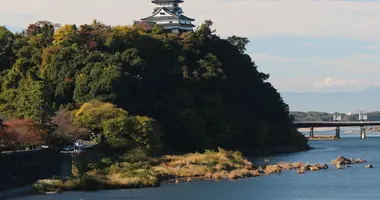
(66,128)
(84,30)
(68,80)
(92,44)
(21,132)
(31,30)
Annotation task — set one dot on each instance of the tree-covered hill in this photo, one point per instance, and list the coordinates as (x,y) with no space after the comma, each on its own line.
(202,91)
(311,116)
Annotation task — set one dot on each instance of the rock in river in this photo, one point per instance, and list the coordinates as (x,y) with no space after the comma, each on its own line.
(340,160)
(369,166)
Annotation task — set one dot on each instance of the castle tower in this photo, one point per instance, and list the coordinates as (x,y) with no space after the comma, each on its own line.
(169,15)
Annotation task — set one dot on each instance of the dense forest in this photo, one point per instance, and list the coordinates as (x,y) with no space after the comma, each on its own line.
(324,116)
(194,91)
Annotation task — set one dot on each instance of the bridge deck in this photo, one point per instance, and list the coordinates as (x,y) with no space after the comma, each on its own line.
(309,124)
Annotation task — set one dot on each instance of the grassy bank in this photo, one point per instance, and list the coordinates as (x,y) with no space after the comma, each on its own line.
(137,170)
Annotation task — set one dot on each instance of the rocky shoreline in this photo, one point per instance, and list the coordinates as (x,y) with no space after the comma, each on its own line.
(194,167)
(264,170)
(177,170)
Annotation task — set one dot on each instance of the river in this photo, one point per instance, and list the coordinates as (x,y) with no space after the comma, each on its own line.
(352,183)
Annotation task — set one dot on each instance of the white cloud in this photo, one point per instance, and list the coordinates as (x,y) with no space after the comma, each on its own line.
(309,45)
(266,57)
(344,85)
(335,83)
(357,19)
(351,73)
(358,63)
(374,46)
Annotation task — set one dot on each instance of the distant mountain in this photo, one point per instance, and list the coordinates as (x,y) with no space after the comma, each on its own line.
(334,102)
(15,29)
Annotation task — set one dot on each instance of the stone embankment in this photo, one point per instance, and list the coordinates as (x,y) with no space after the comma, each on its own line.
(319,137)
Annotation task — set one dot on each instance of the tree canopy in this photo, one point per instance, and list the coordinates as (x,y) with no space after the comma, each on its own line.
(202,91)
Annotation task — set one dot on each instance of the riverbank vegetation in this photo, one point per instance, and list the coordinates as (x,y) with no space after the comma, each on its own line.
(136,169)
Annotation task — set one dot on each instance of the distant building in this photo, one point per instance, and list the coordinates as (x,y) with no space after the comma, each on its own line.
(169,15)
(350,113)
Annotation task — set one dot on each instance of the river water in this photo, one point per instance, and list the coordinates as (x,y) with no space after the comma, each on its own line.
(352,183)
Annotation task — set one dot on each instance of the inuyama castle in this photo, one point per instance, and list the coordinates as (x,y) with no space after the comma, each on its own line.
(169,15)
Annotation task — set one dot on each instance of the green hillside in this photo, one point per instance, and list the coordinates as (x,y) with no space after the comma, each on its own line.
(200,90)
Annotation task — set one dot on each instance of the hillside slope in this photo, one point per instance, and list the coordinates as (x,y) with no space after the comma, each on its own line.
(203,91)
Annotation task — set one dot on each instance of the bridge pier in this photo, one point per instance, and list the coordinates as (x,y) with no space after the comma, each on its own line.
(311,134)
(363,132)
(337,132)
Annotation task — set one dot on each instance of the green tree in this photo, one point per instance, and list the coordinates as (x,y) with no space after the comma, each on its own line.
(239,42)
(157,29)
(120,130)
(6,52)
(41,33)
(93,113)
(65,35)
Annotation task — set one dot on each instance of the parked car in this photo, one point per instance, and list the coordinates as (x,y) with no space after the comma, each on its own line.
(68,148)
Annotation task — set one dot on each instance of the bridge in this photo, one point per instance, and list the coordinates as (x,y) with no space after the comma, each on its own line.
(315,124)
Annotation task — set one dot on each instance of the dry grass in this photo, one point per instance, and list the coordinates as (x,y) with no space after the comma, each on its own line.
(301,170)
(148,172)
(47,185)
(202,165)
(240,173)
(111,181)
(132,172)
(272,169)
(131,182)
(221,160)
(298,165)
(185,171)
(285,165)
(208,175)
(256,173)
(220,175)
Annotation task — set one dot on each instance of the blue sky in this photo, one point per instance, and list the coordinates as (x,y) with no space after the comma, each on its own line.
(318,64)
(305,45)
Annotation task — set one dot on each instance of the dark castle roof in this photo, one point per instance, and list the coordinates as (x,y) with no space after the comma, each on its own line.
(181,25)
(167,1)
(183,17)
